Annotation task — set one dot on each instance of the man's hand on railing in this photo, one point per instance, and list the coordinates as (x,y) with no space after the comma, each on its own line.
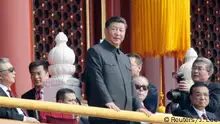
(112,105)
(30,119)
(148,113)
(77,117)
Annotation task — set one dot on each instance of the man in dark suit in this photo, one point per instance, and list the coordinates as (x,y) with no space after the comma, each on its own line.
(199,97)
(108,74)
(202,69)
(7,78)
(39,74)
(151,101)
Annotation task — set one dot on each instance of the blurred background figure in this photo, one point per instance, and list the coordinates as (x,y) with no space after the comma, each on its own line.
(141,85)
(186,67)
(151,101)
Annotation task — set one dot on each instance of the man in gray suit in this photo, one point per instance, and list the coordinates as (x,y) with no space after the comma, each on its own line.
(108,74)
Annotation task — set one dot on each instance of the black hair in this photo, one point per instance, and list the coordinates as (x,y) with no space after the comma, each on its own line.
(137,57)
(197,84)
(37,63)
(61,93)
(115,19)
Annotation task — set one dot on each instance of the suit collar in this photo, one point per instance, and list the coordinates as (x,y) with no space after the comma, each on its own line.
(193,112)
(2,92)
(199,112)
(5,89)
(111,47)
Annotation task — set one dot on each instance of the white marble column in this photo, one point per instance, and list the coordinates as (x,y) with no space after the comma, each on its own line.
(61,69)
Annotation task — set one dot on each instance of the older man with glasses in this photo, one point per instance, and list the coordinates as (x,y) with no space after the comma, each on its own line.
(202,69)
(151,100)
(141,85)
(7,78)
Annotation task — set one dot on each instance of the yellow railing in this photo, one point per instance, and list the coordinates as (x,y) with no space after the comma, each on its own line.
(95,111)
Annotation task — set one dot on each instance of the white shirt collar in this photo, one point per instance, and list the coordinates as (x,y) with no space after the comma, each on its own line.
(199,112)
(142,104)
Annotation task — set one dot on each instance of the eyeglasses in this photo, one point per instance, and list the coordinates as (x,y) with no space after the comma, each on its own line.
(199,68)
(10,70)
(138,87)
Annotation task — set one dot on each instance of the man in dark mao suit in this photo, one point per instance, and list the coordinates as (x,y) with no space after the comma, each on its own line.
(108,74)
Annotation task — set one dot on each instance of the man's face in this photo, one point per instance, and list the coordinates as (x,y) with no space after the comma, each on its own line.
(199,72)
(70,98)
(115,33)
(200,97)
(135,68)
(7,73)
(39,76)
(141,89)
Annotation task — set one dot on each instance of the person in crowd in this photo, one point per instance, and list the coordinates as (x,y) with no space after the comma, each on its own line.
(151,101)
(141,85)
(202,69)
(7,78)
(108,74)
(186,67)
(183,73)
(68,96)
(199,97)
(39,74)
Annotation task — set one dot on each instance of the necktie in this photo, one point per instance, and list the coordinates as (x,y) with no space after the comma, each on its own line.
(204,116)
(13,96)
(38,95)
(11,93)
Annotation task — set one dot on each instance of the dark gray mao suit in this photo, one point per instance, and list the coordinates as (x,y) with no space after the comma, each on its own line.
(108,79)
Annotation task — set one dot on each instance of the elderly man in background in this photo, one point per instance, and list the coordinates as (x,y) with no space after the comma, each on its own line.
(151,101)
(7,78)
(202,69)
(141,85)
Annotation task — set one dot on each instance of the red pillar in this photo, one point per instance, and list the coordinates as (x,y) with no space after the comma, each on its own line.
(121,8)
(15,43)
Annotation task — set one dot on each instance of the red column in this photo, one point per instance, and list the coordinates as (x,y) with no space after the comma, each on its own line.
(15,43)
(121,8)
